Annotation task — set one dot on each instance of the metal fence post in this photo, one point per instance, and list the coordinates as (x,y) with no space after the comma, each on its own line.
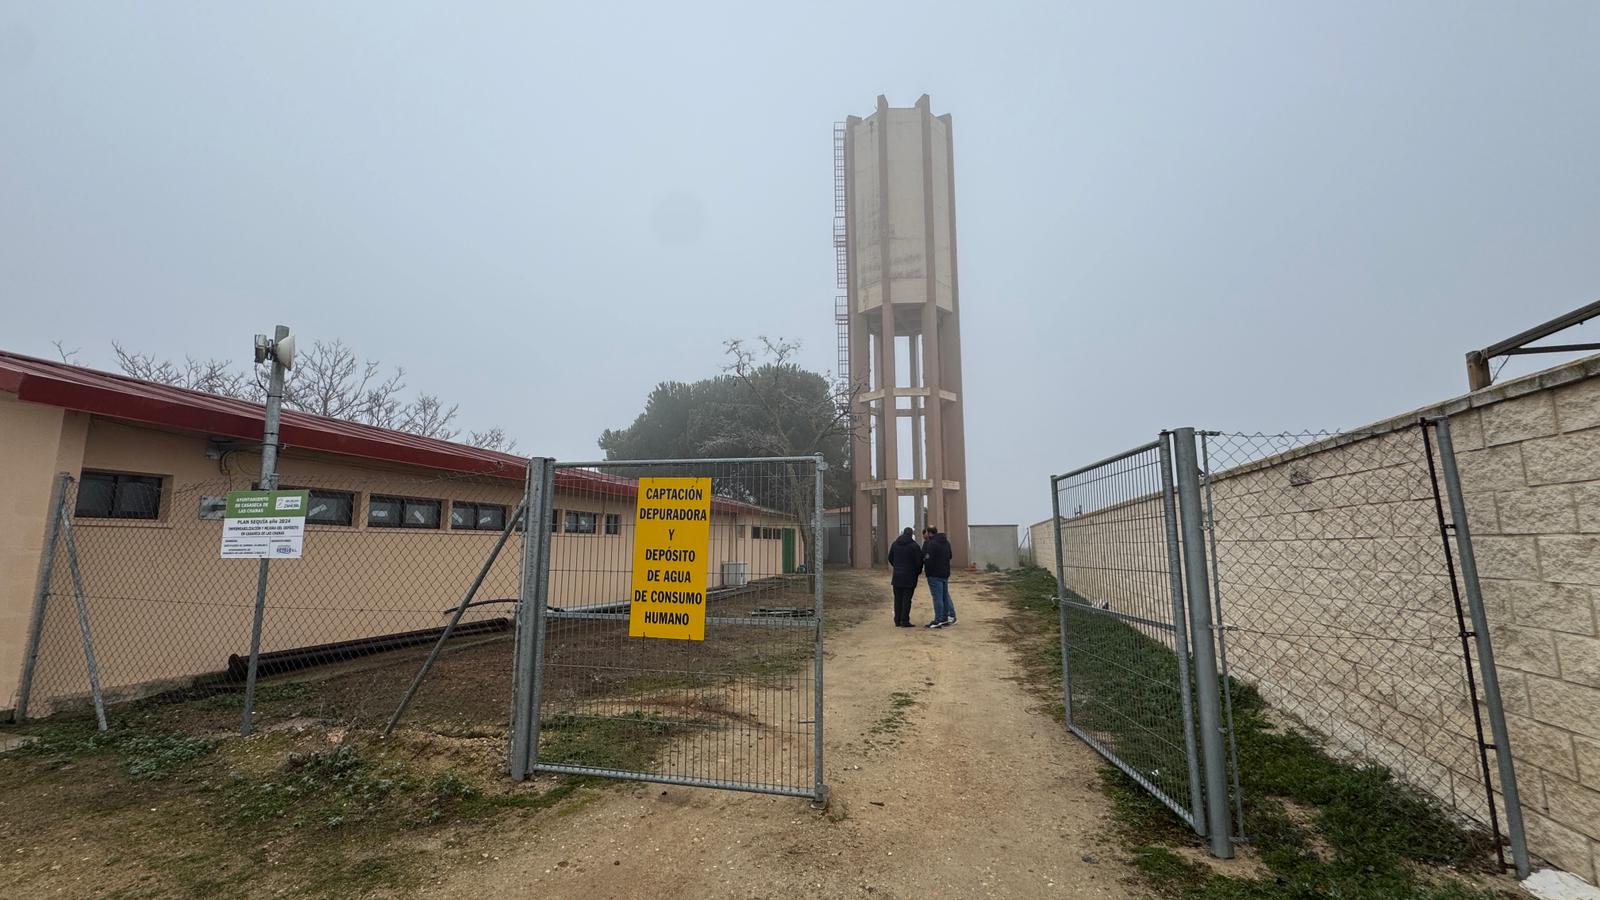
(1203,642)
(1222,641)
(1180,639)
(1061,601)
(820,786)
(524,752)
(41,596)
(83,621)
(1485,648)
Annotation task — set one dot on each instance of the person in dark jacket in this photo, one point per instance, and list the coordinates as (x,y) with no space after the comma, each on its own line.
(906,558)
(936,562)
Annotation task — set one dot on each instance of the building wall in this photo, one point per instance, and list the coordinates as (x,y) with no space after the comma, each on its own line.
(1529,456)
(165,608)
(1531,472)
(35,442)
(993,544)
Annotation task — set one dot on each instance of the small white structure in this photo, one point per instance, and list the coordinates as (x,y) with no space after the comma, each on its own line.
(994,545)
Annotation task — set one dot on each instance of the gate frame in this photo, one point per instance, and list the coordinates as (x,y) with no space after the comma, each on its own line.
(1208,814)
(1203,639)
(531,621)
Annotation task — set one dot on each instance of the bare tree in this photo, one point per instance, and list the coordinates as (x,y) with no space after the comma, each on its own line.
(67,356)
(328,379)
(211,376)
(493,439)
(428,416)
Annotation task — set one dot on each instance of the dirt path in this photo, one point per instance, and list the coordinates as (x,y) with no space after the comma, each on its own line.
(946,783)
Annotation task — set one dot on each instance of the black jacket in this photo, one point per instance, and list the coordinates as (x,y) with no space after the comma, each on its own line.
(906,557)
(937,556)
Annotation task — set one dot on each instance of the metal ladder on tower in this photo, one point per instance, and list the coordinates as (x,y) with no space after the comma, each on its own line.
(841,253)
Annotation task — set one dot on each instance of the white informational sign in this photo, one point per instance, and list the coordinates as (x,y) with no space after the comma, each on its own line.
(265,524)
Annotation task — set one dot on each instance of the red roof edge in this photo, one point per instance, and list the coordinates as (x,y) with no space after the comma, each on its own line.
(144,402)
(129,399)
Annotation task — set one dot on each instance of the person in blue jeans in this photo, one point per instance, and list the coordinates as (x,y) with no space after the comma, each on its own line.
(936,566)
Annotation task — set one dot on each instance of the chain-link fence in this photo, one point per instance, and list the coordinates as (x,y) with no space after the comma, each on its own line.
(1326,587)
(1341,597)
(387,562)
(681,642)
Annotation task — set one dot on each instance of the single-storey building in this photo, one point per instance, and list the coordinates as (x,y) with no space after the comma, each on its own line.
(398,527)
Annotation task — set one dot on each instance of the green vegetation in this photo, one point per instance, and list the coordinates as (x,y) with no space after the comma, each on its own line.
(885,732)
(314,803)
(628,742)
(761,404)
(1321,827)
(144,754)
(215,810)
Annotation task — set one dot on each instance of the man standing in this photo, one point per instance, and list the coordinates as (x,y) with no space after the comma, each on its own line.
(906,558)
(936,554)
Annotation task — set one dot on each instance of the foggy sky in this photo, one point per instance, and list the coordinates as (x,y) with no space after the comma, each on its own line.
(1259,216)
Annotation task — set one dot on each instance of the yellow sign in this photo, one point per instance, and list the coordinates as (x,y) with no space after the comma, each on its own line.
(671,556)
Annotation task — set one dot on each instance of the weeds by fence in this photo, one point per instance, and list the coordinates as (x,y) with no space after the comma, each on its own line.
(1319,825)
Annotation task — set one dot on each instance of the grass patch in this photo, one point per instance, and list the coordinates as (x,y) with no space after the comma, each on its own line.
(220,815)
(630,742)
(144,754)
(1322,827)
(885,732)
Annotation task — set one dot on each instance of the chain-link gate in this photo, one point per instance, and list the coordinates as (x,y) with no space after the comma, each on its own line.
(613,676)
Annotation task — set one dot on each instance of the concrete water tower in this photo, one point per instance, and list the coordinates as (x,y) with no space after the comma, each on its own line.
(900,326)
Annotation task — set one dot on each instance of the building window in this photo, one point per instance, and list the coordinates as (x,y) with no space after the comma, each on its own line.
(402,512)
(106,495)
(331,508)
(613,523)
(580,522)
(555,520)
(327,507)
(465,516)
(763,533)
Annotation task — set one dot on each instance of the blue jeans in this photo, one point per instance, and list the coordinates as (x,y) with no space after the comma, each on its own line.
(943,607)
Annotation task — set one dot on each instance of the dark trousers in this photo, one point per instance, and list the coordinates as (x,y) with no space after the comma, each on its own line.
(902,603)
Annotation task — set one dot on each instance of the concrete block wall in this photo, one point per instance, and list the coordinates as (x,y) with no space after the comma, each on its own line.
(1325,550)
(1529,454)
